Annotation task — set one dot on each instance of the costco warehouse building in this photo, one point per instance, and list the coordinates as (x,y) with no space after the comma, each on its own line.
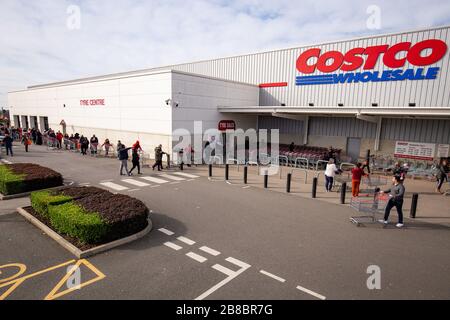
(387,93)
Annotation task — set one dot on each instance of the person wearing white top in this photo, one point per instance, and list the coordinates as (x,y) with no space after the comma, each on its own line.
(330,172)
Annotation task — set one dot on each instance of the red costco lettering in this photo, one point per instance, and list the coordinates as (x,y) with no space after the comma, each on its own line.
(369,57)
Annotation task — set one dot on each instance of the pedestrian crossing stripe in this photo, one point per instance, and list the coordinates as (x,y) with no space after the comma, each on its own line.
(136,183)
(170,177)
(155,180)
(114,186)
(186,175)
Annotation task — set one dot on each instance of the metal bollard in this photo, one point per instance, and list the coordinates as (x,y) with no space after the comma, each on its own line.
(266,181)
(343,192)
(413,211)
(314,188)
(245,175)
(210,170)
(227,172)
(288,183)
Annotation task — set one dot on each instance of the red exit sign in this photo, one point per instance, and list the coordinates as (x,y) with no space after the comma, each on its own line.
(92,102)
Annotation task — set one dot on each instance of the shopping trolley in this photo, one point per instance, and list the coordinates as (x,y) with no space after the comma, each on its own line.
(370,206)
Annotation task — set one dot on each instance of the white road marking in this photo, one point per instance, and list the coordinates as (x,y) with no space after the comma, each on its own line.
(166,231)
(136,183)
(157,186)
(196,257)
(170,177)
(106,181)
(133,190)
(319,296)
(246,187)
(173,246)
(114,186)
(237,262)
(186,240)
(186,175)
(85,184)
(223,269)
(272,276)
(210,251)
(174,183)
(231,275)
(155,180)
(6,161)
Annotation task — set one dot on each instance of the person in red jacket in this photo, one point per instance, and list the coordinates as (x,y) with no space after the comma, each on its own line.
(59,137)
(357,174)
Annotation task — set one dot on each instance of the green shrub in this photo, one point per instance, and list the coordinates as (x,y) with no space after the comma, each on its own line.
(10,183)
(42,200)
(74,221)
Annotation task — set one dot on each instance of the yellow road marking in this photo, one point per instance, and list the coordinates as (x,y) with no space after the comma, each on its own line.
(16,282)
(22,269)
(52,295)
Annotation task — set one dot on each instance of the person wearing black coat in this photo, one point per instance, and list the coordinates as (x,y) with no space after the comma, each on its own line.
(84,142)
(8,141)
(136,161)
(441,175)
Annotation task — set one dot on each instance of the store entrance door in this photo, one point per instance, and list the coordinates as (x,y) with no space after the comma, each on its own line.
(353,148)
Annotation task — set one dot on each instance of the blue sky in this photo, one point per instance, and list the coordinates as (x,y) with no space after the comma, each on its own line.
(115,36)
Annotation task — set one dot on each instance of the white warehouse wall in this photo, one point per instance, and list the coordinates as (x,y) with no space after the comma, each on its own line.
(135,107)
(199,97)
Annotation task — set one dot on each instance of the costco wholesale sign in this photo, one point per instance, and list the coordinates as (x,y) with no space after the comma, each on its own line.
(414,150)
(337,67)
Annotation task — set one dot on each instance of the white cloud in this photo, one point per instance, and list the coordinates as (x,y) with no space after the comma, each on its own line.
(37,47)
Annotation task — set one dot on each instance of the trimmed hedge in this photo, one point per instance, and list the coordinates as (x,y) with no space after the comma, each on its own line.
(70,219)
(42,200)
(24,177)
(10,183)
(89,214)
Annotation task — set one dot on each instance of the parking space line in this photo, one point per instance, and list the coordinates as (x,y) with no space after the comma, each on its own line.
(114,186)
(312,293)
(136,183)
(186,240)
(270,275)
(196,257)
(210,251)
(155,180)
(170,177)
(173,246)
(186,175)
(166,231)
(223,269)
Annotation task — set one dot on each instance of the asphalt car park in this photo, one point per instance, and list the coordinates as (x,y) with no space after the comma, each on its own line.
(213,240)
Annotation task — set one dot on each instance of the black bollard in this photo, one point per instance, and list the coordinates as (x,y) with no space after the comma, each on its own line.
(245,175)
(288,183)
(266,180)
(210,170)
(343,192)
(314,188)
(413,211)
(182,166)
(227,172)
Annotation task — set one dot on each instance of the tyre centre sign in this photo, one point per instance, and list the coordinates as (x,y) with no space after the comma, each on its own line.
(421,54)
(92,102)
